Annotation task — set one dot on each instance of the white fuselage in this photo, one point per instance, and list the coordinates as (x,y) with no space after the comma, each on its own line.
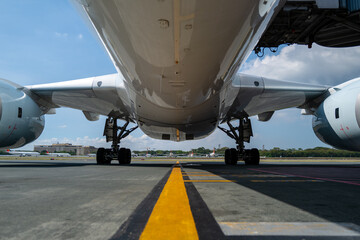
(175,56)
(23,154)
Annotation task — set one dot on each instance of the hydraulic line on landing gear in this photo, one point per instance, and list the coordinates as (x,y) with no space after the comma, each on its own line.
(241,134)
(123,155)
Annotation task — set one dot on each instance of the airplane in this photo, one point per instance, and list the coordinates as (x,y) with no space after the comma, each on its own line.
(177,74)
(212,154)
(22,154)
(58,154)
(147,155)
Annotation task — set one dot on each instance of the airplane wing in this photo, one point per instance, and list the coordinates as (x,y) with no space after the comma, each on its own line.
(248,95)
(245,95)
(103,95)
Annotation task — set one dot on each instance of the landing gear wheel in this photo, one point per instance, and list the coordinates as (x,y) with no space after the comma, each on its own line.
(233,156)
(227,156)
(241,134)
(100,156)
(252,157)
(128,156)
(108,156)
(122,156)
(115,133)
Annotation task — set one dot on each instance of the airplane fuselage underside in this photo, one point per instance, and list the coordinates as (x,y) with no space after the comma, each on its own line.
(176,56)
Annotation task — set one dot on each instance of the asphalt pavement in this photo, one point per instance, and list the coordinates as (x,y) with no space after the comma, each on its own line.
(179,199)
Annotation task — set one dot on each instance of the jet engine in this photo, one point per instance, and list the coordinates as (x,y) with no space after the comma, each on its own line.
(21,119)
(337,120)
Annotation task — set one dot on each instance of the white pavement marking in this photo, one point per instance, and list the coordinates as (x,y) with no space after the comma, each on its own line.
(289,229)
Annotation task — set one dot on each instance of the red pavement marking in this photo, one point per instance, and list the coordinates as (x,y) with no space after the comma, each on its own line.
(294,175)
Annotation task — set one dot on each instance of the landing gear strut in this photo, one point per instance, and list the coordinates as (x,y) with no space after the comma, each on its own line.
(123,155)
(241,134)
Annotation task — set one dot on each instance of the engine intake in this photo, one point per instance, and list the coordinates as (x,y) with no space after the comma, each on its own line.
(21,119)
(337,119)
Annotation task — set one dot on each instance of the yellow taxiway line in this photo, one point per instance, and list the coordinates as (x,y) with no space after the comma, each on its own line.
(171,217)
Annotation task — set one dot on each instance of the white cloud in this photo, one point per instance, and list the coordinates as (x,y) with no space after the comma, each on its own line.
(61,35)
(319,65)
(62,126)
(68,36)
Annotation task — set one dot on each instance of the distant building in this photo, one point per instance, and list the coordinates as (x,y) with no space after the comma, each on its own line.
(66,147)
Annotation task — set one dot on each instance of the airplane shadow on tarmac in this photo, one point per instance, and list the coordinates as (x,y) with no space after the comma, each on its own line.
(326,198)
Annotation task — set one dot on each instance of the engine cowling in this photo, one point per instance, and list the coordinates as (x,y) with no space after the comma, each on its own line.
(21,119)
(337,119)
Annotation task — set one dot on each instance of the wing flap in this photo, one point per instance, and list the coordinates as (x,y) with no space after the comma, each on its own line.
(257,95)
(105,95)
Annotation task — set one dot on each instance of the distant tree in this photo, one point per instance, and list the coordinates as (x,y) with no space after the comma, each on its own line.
(43,152)
(4,153)
(314,152)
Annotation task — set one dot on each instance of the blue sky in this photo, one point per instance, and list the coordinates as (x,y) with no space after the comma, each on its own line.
(47,41)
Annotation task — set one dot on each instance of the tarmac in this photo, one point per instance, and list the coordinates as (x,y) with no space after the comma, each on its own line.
(179,199)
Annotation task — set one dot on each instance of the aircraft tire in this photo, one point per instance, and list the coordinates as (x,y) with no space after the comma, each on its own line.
(100,156)
(108,156)
(233,156)
(227,156)
(252,157)
(122,156)
(128,156)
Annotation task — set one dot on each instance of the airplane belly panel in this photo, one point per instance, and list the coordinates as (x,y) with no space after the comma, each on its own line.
(177,124)
(178,132)
(148,111)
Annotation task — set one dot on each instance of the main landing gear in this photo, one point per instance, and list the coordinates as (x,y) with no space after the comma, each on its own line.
(123,155)
(241,134)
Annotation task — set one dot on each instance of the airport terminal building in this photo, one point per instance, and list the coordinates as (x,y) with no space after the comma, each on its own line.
(66,147)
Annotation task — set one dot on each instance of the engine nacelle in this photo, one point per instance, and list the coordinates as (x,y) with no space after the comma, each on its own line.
(337,119)
(21,119)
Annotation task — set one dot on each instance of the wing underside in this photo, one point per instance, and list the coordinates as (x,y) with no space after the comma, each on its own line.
(244,96)
(103,95)
(251,95)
